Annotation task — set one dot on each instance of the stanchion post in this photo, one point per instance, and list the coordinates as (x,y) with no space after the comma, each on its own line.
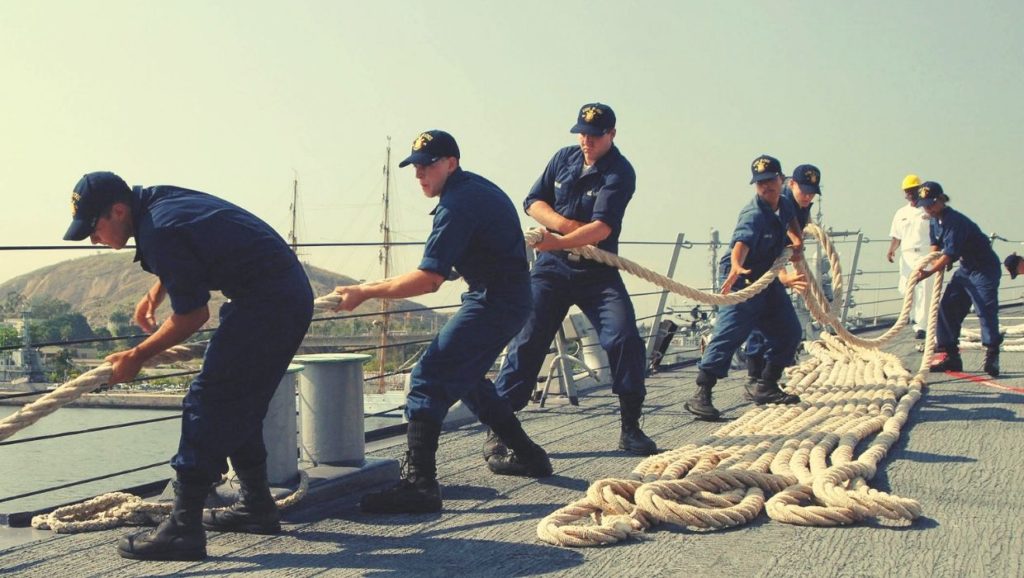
(656,326)
(850,279)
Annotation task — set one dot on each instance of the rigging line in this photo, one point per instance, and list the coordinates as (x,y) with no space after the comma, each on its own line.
(90,430)
(81,482)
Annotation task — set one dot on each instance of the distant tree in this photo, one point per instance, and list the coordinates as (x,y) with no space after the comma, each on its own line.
(12,304)
(9,335)
(49,307)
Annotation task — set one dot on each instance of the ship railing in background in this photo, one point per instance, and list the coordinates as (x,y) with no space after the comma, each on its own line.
(695,322)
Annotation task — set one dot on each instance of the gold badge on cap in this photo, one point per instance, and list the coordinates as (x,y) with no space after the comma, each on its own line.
(590,113)
(761,165)
(75,198)
(812,176)
(421,141)
(923,192)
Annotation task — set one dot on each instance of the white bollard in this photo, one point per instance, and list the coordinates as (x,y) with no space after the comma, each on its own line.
(331,408)
(280,431)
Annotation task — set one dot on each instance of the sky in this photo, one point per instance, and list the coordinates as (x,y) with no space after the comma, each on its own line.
(241,98)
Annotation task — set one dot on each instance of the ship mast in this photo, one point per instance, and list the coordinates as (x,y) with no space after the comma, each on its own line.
(293,235)
(385,259)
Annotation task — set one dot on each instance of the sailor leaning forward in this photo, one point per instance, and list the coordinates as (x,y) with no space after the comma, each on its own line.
(195,243)
(765,227)
(477,233)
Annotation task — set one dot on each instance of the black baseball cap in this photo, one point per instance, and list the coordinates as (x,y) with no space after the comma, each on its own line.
(928,193)
(809,178)
(94,193)
(1011,263)
(430,146)
(765,167)
(594,119)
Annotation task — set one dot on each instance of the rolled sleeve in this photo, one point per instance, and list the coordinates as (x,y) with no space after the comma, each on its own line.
(544,188)
(745,231)
(612,198)
(447,242)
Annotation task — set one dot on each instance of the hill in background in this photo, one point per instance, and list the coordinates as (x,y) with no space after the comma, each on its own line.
(98,285)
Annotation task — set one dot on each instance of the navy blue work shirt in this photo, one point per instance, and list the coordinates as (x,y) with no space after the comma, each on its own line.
(803,215)
(600,194)
(763,232)
(960,238)
(197,243)
(476,232)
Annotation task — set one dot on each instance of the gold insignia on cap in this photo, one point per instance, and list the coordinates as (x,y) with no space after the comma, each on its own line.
(590,113)
(421,141)
(811,176)
(75,198)
(761,165)
(923,192)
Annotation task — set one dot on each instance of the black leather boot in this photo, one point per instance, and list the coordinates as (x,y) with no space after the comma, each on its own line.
(180,536)
(633,439)
(524,457)
(254,513)
(700,404)
(493,445)
(417,492)
(767,389)
(755,367)
(992,360)
(952,362)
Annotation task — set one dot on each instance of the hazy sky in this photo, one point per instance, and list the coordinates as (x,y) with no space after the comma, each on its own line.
(236,98)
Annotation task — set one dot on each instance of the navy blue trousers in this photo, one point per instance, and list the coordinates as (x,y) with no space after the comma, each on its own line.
(244,363)
(456,363)
(601,295)
(966,287)
(771,312)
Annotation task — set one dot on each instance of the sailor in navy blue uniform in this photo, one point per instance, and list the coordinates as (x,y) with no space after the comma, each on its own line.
(581,199)
(975,281)
(476,233)
(800,188)
(196,243)
(764,228)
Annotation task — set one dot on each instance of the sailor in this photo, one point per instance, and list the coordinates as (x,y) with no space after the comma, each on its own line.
(477,234)
(800,188)
(1014,264)
(196,243)
(909,232)
(975,281)
(764,228)
(580,199)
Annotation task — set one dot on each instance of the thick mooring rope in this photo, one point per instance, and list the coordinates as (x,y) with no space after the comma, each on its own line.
(803,455)
(123,509)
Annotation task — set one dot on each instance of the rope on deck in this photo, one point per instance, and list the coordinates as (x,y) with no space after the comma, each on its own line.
(803,455)
(123,509)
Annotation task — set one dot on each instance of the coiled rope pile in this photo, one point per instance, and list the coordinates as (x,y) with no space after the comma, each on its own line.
(805,456)
(1013,339)
(118,508)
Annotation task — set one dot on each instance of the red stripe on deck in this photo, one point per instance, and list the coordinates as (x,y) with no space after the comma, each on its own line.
(983,381)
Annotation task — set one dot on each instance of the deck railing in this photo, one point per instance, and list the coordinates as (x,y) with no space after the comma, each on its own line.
(870,298)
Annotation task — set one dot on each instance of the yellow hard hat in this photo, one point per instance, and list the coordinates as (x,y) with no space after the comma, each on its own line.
(911,182)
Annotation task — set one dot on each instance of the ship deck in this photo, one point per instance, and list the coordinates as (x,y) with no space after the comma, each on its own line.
(959,455)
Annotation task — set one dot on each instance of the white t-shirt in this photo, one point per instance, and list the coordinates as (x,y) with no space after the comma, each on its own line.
(910,226)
